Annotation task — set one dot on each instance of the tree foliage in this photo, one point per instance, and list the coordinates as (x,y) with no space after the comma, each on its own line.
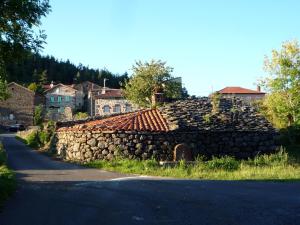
(38,115)
(18,23)
(149,78)
(282,104)
(44,69)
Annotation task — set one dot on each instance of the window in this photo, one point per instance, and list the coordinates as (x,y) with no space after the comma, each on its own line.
(52,99)
(59,98)
(67,98)
(106,109)
(117,108)
(128,108)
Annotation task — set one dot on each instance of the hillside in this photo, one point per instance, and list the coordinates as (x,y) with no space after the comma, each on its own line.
(44,69)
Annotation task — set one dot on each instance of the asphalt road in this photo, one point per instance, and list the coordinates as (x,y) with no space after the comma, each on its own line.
(57,193)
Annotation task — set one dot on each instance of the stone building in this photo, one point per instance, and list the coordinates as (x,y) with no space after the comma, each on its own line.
(106,101)
(60,99)
(19,107)
(242,93)
(235,129)
(86,87)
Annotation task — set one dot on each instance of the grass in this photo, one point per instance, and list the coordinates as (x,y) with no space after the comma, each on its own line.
(7,178)
(283,166)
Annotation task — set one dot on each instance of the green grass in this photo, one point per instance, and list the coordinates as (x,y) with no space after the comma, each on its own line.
(7,178)
(280,166)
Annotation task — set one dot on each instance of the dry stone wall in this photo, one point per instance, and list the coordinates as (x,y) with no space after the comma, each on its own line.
(92,145)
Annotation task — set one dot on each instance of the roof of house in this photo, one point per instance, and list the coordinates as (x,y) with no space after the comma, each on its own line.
(144,120)
(109,93)
(57,85)
(238,90)
(16,84)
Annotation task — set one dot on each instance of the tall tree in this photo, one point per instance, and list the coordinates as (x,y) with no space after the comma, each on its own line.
(148,78)
(282,104)
(18,22)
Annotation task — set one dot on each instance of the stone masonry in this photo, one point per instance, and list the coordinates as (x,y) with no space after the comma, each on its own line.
(236,130)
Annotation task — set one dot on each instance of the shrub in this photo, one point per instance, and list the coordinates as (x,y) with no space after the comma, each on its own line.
(44,137)
(2,155)
(225,163)
(81,115)
(277,159)
(32,140)
(38,115)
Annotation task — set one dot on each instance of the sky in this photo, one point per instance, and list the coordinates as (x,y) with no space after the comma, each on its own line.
(210,44)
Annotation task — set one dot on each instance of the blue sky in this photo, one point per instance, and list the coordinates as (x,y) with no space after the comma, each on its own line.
(210,44)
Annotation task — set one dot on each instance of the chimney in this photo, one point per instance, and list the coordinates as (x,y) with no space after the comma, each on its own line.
(258,88)
(104,86)
(52,84)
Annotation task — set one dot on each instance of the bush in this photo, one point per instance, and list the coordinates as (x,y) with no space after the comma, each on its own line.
(44,137)
(32,140)
(225,163)
(277,159)
(81,115)
(2,155)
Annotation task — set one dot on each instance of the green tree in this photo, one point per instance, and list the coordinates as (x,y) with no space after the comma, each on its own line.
(3,85)
(33,87)
(147,79)
(282,104)
(43,77)
(38,115)
(18,20)
(18,23)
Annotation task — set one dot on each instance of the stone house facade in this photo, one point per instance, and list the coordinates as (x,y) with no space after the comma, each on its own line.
(242,93)
(107,101)
(144,134)
(19,107)
(86,87)
(61,101)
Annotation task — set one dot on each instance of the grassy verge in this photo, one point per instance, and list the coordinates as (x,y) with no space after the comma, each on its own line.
(280,166)
(7,178)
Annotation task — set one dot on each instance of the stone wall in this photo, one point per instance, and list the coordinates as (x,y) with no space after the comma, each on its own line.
(19,107)
(92,145)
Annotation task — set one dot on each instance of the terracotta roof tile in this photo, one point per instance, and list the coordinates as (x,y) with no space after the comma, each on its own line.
(238,90)
(144,120)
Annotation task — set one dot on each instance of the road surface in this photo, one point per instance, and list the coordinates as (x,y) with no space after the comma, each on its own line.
(57,193)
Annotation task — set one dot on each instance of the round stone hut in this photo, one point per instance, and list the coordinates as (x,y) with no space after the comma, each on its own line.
(234,129)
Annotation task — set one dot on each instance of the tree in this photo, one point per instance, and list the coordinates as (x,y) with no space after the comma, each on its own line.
(18,20)
(282,104)
(148,78)
(3,85)
(38,115)
(33,87)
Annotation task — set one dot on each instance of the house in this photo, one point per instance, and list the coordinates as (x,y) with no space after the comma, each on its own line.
(19,107)
(242,93)
(85,87)
(107,101)
(62,100)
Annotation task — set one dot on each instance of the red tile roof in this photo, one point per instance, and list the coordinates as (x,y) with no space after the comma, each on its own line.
(144,120)
(238,90)
(109,93)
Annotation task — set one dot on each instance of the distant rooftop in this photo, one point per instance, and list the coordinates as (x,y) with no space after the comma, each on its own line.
(239,90)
